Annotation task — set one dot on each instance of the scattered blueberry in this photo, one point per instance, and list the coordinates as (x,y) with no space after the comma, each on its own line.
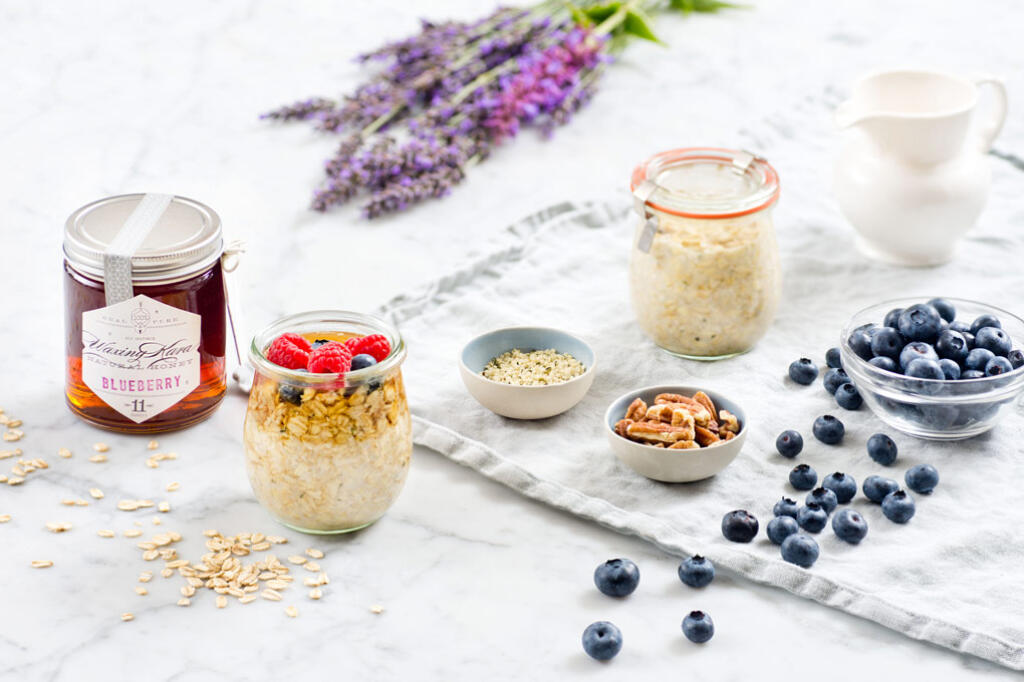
(848,398)
(985,321)
(944,308)
(602,640)
(785,507)
(849,526)
(882,449)
(697,571)
(803,371)
(800,549)
(892,318)
(833,358)
(860,342)
(290,394)
(997,366)
(803,477)
(617,577)
(1016,358)
(824,498)
(993,339)
(920,322)
(877,487)
(887,342)
(888,364)
(362,361)
(924,368)
(952,345)
(828,429)
(971,374)
(950,369)
(789,443)
(811,517)
(898,506)
(781,527)
(922,478)
(843,485)
(978,358)
(914,351)
(834,378)
(698,627)
(739,526)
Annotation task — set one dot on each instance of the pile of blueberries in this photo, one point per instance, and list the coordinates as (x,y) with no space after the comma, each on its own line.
(619,578)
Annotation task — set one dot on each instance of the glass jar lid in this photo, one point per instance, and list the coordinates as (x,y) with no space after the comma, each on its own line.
(185,241)
(705,182)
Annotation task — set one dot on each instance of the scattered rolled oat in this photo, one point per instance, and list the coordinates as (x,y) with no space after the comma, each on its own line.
(292,612)
(145,576)
(272,595)
(98,459)
(297,559)
(377,608)
(13,435)
(141,591)
(5,454)
(171,487)
(68,502)
(81,503)
(42,563)
(184,601)
(316,593)
(152,445)
(128,505)
(249,598)
(15,480)
(277,539)
(164,507)
(64,452)
(312,566)
(13,423)
(100,447)
(144,504)
(156,521)
(222,601)
(167,572)
(132,533)
(4,518)
(96,493)
(127,616)
(104,533)
(314,553)
(58,526)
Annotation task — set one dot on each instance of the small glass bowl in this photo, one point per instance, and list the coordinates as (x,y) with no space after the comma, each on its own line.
(934,409)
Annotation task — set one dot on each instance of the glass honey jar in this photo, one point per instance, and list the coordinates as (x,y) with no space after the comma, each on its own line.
(145,313)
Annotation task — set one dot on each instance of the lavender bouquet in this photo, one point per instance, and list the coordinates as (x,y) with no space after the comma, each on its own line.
(440,101)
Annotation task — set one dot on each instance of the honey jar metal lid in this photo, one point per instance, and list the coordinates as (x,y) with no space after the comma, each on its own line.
(185,241)
(705,182)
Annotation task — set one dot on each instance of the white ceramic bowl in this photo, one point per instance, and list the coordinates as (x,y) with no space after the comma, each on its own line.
(525,402)
(673,466)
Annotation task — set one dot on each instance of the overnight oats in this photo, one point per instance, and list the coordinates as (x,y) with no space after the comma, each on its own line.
(328,437)
(704,269)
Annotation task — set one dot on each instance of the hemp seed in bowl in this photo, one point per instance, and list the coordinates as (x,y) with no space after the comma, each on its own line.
(533,368)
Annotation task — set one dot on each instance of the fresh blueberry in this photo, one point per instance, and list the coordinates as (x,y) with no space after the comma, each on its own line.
(803,371)
(849,526)
(834,378)
(944,308)
(697,571)
(698,627)
(950,369)
(362,361)
(959,326)
(978,358)
(803,477)
(892,318)
(828,429)
(898,506)
(969,337)
(952,345)
(785,507)
(843,485)
(887,342)
(781,527)
(920,322)
(882,449)
(997,366)
(993,339)
(319,342)
(922,478)
(860,342)
(800,549)
(739,526)
(985,321)
(602,640)
(290,394)
(923,368)
(789,443)
(1016,358)
(833,358)
(914,351)
(848,398)
(972,374)
(877,487)
(888,364)
(824,498)
(617,577)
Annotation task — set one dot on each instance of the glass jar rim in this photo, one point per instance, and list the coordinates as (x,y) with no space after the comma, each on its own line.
(327,321)
(756,171)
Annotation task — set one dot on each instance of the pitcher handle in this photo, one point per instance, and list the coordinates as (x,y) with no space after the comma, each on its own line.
(989,130)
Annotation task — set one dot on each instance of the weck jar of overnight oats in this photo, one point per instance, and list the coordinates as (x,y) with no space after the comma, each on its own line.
(704,269)
(327,435)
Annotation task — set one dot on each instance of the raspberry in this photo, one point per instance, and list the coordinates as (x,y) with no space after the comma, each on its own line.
(330,358)
(290,351)
(376,345)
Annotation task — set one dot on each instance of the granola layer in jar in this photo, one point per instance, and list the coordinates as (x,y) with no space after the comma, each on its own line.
(705,279)
(328,453)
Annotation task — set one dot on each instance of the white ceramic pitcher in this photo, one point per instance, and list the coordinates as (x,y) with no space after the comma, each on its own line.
(911,174)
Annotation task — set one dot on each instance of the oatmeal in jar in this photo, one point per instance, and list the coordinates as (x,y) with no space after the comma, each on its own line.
(328,437)
(704,270)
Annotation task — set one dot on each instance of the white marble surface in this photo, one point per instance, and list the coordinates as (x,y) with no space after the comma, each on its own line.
(476,582)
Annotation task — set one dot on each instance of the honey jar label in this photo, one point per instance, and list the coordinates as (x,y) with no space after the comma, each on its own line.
(140,356)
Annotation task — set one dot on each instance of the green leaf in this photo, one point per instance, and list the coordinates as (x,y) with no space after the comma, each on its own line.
(687,6)
(636,24)
(599,13)
(579,17)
